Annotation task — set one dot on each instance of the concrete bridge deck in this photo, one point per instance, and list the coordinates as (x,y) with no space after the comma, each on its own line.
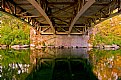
(61,16)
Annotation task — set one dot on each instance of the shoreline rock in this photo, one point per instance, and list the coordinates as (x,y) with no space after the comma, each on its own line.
(20,46)
(108,47)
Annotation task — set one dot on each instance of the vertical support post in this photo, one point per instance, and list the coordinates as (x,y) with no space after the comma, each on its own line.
(119,6)
(88,31)
(37,26)
(89,22)
(109,9)
(40,28)
(2,4)
(14,10)
(85,29)
(33,22)
(100,15)
(29,20)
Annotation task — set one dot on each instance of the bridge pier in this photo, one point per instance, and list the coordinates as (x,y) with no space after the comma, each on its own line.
(58,40)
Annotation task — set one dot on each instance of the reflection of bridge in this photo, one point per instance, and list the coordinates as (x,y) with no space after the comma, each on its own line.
(60,16)
(58,68)
(54,63)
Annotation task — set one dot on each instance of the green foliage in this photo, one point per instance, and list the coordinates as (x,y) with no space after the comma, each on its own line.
(109,32)
(9,57)
(14,56)
(99,54)
(13,31)
(105,62)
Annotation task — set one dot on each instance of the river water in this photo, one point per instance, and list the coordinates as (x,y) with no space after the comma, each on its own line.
(60,64)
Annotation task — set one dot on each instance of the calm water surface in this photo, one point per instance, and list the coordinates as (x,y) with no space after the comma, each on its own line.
(60,64)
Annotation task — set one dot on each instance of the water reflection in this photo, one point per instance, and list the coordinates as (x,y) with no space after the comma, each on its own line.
(106,64)
(61,64)
(14,65)
(58,64)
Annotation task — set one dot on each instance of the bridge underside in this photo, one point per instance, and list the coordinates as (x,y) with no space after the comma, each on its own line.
(60,16)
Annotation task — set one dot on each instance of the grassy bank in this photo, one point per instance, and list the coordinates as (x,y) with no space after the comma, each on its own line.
(107,32)
(13,30)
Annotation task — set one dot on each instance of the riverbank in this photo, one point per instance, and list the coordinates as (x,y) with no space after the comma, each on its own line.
(105,47)
(39,47)
(14,46)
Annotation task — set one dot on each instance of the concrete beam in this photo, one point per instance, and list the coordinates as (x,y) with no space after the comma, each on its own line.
(61,33)
(60,3)
(31,16)
(64,25)
(82,10)
(41,11)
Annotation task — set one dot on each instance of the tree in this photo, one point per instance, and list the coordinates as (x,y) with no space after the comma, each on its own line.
(13,30)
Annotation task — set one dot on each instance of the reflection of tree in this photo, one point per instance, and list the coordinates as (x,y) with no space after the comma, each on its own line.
(14,71)
(14,65)
(107,64)
(10,56)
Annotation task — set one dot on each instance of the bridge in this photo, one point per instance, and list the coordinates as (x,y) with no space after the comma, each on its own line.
(62,16)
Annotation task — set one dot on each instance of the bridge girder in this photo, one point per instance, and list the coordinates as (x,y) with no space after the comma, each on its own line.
(82,10)
(61,17)
(41,11)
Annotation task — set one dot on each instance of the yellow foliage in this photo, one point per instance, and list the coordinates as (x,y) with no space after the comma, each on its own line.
(108,31)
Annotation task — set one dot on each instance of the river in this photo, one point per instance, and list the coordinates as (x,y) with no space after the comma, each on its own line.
(60,64)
